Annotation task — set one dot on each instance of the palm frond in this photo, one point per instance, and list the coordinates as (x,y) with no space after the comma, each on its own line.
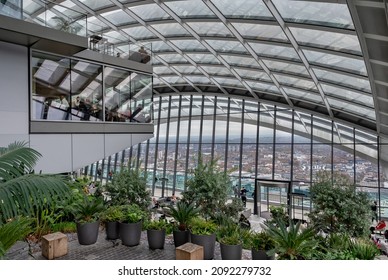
(21,195)
(16,160)
(12,232)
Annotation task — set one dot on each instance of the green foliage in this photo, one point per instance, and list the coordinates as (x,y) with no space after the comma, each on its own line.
(129,187)
(13,231)
(113,213)
(65,227)
(132,213)
(233,209)
(279,214)
(21,191)
(343,247)
(229,234)
(201,226)
(339,208)
(208,188)
(261,241)
(160,224)
(182,213)
(292,243)
(88,209)
(362,249)
(44,222)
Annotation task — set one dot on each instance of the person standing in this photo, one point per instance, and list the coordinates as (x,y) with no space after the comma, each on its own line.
(243,195)
(374,210)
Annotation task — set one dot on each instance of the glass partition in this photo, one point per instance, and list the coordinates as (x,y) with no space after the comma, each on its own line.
(117,95)
(11,8)
(50,92)
(141,96)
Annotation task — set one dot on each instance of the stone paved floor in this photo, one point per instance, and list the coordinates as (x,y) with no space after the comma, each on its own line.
(105,250)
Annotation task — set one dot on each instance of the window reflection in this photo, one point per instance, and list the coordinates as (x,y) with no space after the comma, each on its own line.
(69,89)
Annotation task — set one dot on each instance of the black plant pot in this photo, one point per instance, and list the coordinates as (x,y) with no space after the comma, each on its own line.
(208,243)
(259,255)
(156,238)
(130,233)
(112,230)
(181,237)
(87,233)
(231,252)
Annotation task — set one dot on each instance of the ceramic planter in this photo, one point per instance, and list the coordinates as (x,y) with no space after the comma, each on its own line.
(259,255)
(208,243)
(87,233)
(130,233)
(181,237)
(156,238)
(231,252)
(112,230)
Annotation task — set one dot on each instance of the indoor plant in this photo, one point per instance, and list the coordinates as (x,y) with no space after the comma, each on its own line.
(111,216)
(182,213)
(156,233)
(203,234)
(131,224)
(230,239)
(86,213)
(260,243)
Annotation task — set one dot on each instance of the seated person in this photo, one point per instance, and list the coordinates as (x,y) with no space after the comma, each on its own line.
(244,222)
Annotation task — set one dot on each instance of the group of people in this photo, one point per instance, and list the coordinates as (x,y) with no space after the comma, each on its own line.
(242,193)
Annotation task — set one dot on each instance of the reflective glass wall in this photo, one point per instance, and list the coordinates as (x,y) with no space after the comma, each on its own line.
(253,141)
(76,90)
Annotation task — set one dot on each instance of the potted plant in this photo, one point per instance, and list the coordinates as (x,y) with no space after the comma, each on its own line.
(86,213)
(203,233)
(111,216)
(182,213)
(260,243)
(130,225)
(156,233)
(230,239)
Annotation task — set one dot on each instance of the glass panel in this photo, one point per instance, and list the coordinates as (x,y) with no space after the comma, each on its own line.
(86,87)
(323,39)
(141,95)
(264,161)
(275,51)
(170,29)
(214,70)
(190,9)
(299,94)
(188,45)
(150,12)
(349,95)
(358,110)
(321,159)
(229,82)
(173,58)
(282,162)
(319,13)
(254,74)
(29,7)
(293,81)
(286,67)
(336,61)
(302,162)
(343,79)
(199,80)
(187,69)
(210,29)
(96,5)
(118,17)
(49,101)
(117,95)
(11,8)
(322,130)
(204,58)
(263,87)
(343,161)
(241,61)
(227,46)
(254,9)
(261,31)
(139,32)
(159,46)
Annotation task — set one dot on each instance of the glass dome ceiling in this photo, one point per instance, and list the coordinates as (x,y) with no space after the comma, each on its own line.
(303,55)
